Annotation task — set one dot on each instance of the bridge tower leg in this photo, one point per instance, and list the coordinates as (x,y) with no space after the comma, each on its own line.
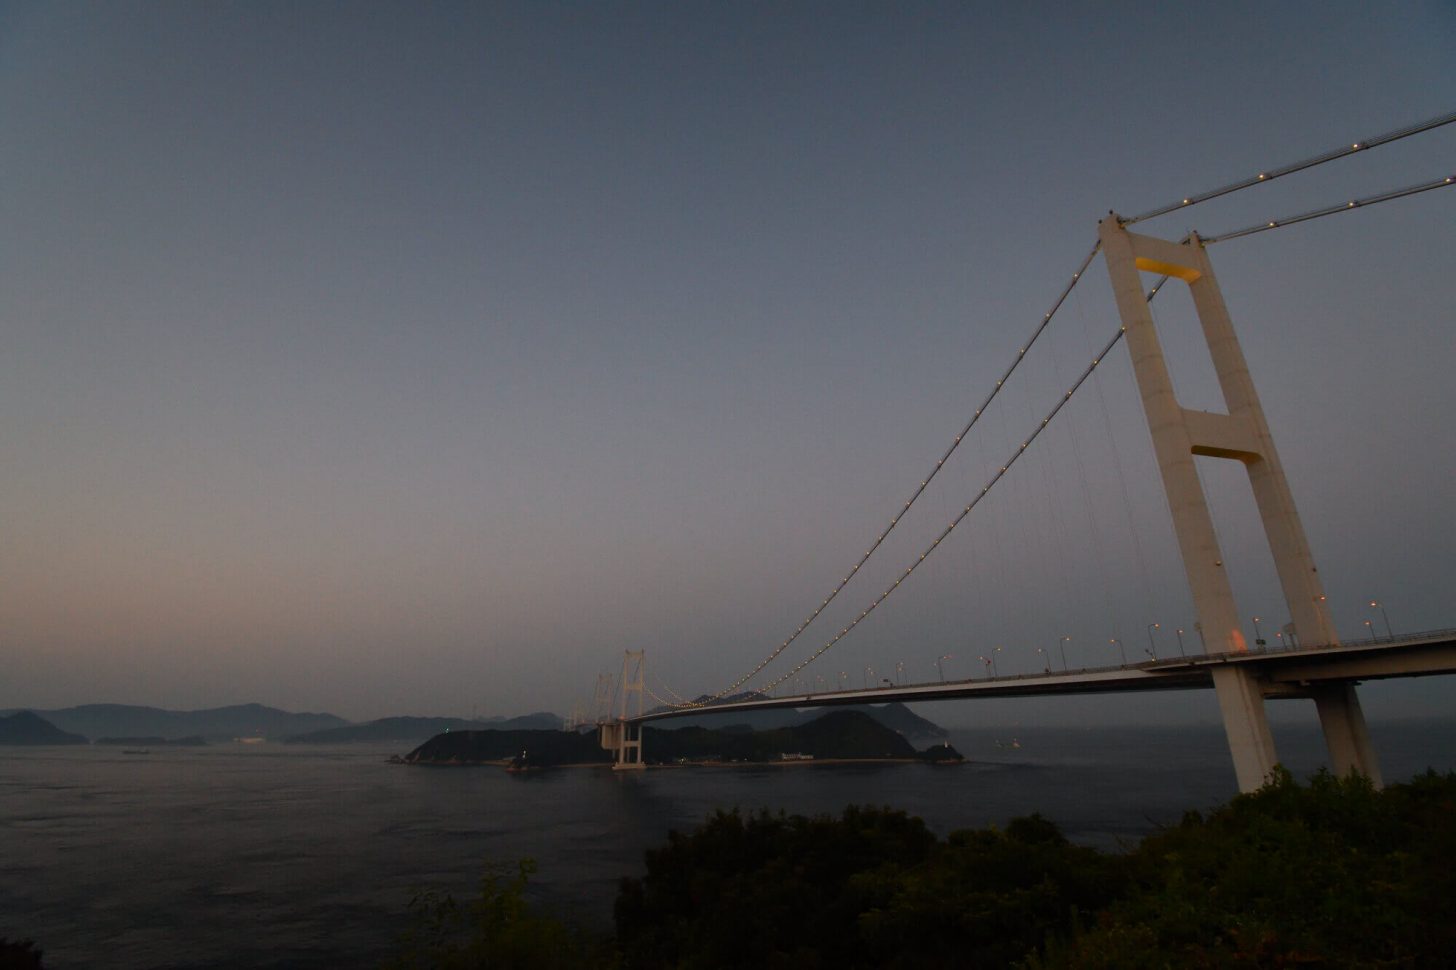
(1346,736)
(1242,434)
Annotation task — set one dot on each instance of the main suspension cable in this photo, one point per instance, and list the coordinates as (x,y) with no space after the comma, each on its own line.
(1369,200)
(1268,175)
(935,543)
(924,483)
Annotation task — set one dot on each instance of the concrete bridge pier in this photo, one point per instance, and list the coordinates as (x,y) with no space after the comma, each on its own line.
(1246,724)
(1346,736)
(624,740)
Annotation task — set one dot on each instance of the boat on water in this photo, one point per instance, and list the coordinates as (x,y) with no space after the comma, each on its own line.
(518,764)
(135,751)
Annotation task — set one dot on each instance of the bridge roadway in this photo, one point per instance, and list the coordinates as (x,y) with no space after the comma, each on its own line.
(1283,673)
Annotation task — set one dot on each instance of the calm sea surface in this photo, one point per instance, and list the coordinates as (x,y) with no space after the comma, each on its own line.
(306,856)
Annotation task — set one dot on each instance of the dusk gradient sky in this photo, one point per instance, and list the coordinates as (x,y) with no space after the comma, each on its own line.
(420,358)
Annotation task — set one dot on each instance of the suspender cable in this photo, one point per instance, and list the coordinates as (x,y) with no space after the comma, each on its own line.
(924,482)
(935,543)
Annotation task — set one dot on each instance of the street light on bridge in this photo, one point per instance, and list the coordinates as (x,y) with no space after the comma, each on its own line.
(1377,605)
(1370,628)
(1062,644)
(1180,642)
(1046,664)
(939,668)
(1153,647)
(1258,637)
(1120,649)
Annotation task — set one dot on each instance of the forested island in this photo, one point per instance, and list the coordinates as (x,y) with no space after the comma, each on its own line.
(29,728)
(836,736)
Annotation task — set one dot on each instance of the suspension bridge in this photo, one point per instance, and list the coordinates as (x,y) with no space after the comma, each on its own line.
(1308,660)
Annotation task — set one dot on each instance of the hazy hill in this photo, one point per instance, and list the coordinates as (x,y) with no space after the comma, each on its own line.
(218,723)
(542,748)
(419,728)
(838,734)
(26,727)
(897,717)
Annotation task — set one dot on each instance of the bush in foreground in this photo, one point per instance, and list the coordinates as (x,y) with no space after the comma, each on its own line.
(1329,874)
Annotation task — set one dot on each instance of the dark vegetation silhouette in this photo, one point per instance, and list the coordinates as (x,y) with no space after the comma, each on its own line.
(19,955)
(1329,874)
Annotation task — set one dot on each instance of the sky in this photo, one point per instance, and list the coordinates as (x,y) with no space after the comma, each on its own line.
(406,358)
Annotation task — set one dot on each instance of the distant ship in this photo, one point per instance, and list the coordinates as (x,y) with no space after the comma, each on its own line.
(518,764)
(253,740)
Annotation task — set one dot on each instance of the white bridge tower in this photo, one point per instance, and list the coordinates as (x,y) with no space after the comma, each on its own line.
(621,736)
(1243,435)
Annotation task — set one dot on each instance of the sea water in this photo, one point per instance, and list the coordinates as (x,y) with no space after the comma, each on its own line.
(307,856)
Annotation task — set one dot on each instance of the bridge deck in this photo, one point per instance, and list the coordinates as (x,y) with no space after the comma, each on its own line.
(1284,670)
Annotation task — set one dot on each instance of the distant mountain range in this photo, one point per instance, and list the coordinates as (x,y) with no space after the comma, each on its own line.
(25,727)
(420,728)
(213,724)
(127,723)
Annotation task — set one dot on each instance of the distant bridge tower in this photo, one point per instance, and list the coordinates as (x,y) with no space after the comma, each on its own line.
(621,736)
(1242,435)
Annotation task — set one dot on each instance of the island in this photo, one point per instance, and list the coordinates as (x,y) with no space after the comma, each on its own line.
(543,748)
(844,735)
(26,727)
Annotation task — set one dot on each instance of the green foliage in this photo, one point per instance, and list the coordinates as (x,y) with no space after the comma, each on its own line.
(873,888)
(19,955)
(1332,874)
(498,929)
